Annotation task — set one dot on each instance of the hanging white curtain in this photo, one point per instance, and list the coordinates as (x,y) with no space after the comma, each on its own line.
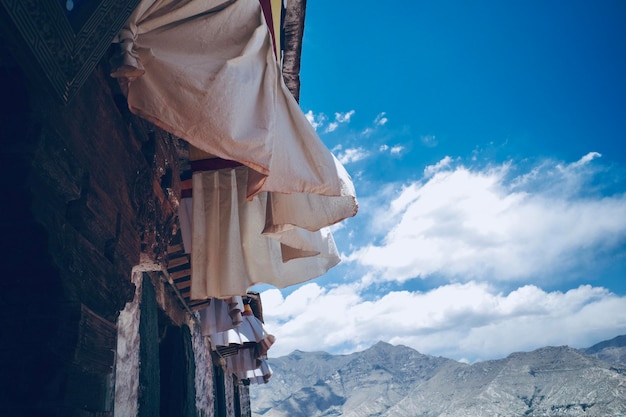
(205,71)
(250,331)
(225,233)
(260,375)
(221,315)
(229,251)
(251,340)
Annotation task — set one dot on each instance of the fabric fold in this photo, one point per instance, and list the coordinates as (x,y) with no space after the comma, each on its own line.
(205,71)
(249,331)
(229,252)
(260,375)
(221,315)
(247,345)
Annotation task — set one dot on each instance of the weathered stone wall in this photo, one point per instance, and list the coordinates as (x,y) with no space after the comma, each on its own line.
(244,394)
(204,373)
(230,395)
(90,193)
(83,200)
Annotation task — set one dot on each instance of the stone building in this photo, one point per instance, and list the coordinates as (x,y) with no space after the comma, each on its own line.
(96,313)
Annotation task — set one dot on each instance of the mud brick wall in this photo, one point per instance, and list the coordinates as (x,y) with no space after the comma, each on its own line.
(89,193)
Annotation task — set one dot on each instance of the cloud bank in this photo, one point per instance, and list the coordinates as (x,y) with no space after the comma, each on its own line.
(491,225)
(492,237)
(470,321)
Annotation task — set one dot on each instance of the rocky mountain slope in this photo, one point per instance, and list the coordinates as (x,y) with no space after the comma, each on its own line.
(613,350)
(386,381)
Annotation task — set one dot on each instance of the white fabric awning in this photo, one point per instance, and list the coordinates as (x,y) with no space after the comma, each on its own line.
(260,375)
(205,71)
(229,251)
(221,315)
(246,345)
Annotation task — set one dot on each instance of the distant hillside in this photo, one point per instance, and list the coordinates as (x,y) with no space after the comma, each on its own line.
(613,350)
(312,384)
(397,381)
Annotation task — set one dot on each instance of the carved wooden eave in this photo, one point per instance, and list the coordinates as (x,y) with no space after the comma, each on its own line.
(61,46)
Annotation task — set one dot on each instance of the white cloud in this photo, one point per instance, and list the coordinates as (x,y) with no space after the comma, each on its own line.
(586,159)
(381,119)
(431,170)
(470,320)
(352,155)
(344,117)
(340,118)
(331,127)
(559,178)
(429,140)
(483,225)
(316,120)
(393,150)
(481,230)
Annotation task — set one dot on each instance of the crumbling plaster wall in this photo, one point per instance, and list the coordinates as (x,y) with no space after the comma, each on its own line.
(128,385)
(127,355)
(204,372)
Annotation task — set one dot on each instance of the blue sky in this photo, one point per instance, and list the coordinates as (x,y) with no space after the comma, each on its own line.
(487,144)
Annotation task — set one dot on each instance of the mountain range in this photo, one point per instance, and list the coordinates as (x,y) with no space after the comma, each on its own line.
(397,381)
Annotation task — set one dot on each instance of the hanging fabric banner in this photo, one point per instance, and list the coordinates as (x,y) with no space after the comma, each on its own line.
(206,72)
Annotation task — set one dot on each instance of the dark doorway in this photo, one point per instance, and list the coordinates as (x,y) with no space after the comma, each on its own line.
(177,366)
(219,392)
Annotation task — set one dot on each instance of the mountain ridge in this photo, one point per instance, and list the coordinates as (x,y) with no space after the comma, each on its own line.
(386,380)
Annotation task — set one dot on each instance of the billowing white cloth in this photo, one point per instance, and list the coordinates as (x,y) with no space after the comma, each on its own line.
(205,71)
(229,252)
(221,315)
(185,219)
(246,365)
(260,375)
(251,330)
(252,342)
